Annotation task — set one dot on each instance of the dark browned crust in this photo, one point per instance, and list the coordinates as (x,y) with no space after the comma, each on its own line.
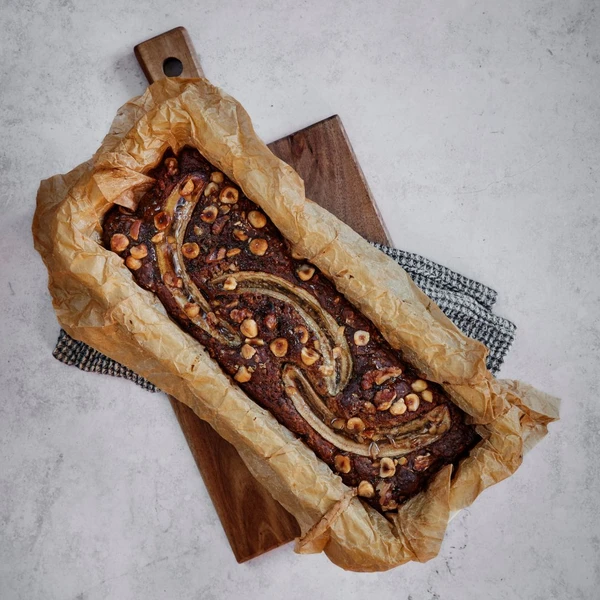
(278,319)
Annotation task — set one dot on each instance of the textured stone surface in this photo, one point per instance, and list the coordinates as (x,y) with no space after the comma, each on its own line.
(475,122)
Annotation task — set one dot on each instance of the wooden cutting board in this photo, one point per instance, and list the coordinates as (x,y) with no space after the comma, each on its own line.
(322,155)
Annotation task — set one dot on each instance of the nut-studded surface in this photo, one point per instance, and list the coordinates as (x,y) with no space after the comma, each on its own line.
(295,345)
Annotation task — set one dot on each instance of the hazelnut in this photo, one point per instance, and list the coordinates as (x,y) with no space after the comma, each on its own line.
(248,351)
(305,272)
(418,385)
(412,402)
(198,231)
(242,375)
(379,377)
(355,424)
(162,220)
(239,234)
(209,214)
(361,338)
(366,489)
(228,195)
(402,461)
(230,284)
(279,347)
(387,468)
(211,188)
(140,251)
(249,328)
(118,242)
(224,209)
(385,374)
(191,310)
(398,408)
(259,246)
(384,398)
(337,352)
(338,424)
(302,333)
(188,188)
(217,177)
(257,219)
(270,321)
(133,263)
(342,464)
(134,232)
(172,280)
(159,237)
(190,250)
(422,462)
(427,395)
(233,252)
(172,166)
(309,356)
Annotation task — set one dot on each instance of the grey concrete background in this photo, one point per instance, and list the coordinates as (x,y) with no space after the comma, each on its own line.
(477,124)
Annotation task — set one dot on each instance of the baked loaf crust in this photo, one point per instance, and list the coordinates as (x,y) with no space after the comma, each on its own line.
(99,302)
(282,331)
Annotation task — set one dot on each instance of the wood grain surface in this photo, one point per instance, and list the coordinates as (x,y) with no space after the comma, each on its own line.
(253,521)
(322,155)
(175,43)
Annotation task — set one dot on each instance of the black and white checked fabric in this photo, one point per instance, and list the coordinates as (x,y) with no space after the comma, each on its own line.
(73,352)
(466,302)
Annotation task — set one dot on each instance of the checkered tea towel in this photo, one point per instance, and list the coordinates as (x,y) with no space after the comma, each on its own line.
(466,302)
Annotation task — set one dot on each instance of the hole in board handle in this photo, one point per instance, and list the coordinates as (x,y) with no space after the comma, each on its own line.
(172,67)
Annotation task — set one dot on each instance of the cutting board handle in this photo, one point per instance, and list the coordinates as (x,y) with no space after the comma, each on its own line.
(170,54)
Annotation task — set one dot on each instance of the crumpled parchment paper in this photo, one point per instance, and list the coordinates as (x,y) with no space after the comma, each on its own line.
(97,301)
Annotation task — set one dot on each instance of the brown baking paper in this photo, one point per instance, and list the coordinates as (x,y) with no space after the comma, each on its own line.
(97,301)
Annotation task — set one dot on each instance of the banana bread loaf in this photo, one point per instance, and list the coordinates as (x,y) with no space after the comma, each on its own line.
(280,329)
